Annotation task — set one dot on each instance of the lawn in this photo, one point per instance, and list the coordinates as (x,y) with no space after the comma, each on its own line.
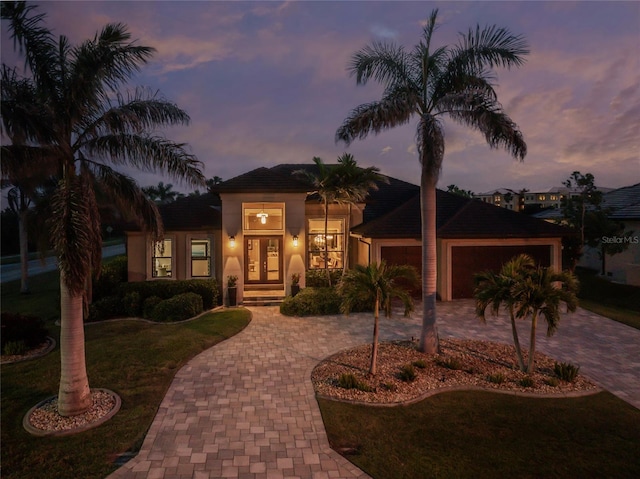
(487,435)
(137,360)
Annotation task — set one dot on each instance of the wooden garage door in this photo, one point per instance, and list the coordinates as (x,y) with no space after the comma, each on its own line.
(411,255)
(468,260)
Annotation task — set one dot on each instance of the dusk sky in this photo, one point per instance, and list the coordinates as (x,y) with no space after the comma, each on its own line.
(266,83)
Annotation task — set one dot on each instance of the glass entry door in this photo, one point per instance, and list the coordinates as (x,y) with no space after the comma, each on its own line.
(263,259)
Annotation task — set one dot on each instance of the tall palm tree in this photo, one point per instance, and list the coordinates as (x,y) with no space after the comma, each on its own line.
(95,128)
(353,184)
(495,290)
(162,193)
(323,180)
(428,82)
(377,285)
(539,292)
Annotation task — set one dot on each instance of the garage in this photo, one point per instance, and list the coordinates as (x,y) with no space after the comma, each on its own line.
(469,260)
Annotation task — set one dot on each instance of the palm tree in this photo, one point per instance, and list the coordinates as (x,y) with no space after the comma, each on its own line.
(377,285)
(540,292)
(353,184)
(162,194)
(430,83)
(325,186)
(495,290)
(94,129)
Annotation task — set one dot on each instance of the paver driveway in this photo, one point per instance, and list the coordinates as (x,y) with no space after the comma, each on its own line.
(246,407)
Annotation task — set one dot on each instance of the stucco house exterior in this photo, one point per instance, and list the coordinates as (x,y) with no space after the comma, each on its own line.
(267,224)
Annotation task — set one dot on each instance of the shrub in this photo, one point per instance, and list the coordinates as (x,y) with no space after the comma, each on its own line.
(111,276)
(178,308)
(349,381)
(149,305)
(553,382)
(389,386)
(311,302)
(167,288)
(526,382)
(450,363)
(14,348)
(106,308)
(20,327)
(407,373)
(566,371)
(132,304)
(317,278)
(420,363)
(497,378)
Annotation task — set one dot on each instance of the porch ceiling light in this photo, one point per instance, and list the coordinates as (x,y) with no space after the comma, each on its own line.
(232,241)
(263,216)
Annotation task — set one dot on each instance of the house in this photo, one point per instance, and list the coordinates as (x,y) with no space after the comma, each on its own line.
(267,224)
(622,204)
(504,197)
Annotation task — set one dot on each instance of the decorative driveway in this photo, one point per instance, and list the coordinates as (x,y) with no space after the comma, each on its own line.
(246,407)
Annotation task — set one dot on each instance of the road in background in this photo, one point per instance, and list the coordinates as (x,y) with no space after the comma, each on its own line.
(11,272)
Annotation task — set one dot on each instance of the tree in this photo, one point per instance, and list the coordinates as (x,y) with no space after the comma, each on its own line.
(494,290)
(588,197)
(353,184)
(539,292)
(326,187)
(459,191)
(606,235)
(162,194)
(94,128)
(376,285)
(427,82)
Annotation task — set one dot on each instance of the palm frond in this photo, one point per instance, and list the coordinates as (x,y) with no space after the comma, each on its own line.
(149,153)
(493,46)
(386,63)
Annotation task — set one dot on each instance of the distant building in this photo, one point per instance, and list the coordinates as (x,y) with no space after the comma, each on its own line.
(503,197)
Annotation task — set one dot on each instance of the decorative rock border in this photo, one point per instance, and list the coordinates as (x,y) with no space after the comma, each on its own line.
(28,357)
(83,426)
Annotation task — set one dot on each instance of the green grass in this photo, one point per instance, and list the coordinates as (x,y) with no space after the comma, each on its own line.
(136,360)
(619,302)
(487,435)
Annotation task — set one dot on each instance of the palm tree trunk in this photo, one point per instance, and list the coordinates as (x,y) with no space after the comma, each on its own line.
(374,344)
(74,396)
(532,342)
(326,241)
(516,341)
(24,251)
(429,335)
(347,239)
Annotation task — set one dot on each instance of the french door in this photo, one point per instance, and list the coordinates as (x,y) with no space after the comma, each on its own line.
(263,263)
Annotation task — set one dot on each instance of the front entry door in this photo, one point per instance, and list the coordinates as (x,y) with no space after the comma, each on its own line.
(264,259)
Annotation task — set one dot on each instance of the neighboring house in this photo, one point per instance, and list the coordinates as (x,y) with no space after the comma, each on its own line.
(503,197)
(267,224)
(623,205)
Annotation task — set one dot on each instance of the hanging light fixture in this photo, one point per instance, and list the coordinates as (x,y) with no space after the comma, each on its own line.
(263,216)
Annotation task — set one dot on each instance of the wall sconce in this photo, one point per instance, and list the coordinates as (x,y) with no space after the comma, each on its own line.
(232,241)
(295,240)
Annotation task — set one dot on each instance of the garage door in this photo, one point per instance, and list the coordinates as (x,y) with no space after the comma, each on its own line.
(411,255)
(468,260)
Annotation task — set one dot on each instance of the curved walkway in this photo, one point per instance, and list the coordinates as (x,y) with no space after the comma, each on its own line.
(246,407)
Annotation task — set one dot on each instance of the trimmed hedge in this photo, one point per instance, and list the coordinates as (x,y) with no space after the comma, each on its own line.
(112,275)
(24,328)
(178,308)
(311,302)
(317,278)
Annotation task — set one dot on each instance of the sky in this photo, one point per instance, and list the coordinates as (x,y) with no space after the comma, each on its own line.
(267,83)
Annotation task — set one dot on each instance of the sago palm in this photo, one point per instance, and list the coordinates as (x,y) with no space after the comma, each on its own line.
(376,285)
(495,290)
(94,129)
(430,84)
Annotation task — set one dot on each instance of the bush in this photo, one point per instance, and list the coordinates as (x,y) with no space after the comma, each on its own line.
(106,308)
(149,305)
(317,278)
(407,373)
(132,304)
(553,382)
(15,348)
(178,308)
(167,288)
(497,378)
(111,276)
(526,382)
(18,327)
(420,363)
(312,302)
(566,371)
(349,381)
(450,363)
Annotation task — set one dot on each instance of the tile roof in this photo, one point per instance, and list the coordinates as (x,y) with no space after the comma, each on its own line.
(268,180)
(624,203)
(192,213)
(459,217)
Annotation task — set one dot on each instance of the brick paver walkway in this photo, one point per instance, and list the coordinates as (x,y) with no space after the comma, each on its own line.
(246,407)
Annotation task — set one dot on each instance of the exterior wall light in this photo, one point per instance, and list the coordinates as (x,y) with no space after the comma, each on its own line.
(232,241)
(295,240)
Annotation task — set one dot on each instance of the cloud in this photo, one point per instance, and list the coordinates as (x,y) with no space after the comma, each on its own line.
(382,32)
(385,150)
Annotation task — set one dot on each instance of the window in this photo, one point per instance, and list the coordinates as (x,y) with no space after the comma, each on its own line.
(200,258)
(263,217)
(333,241)
(162,259)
